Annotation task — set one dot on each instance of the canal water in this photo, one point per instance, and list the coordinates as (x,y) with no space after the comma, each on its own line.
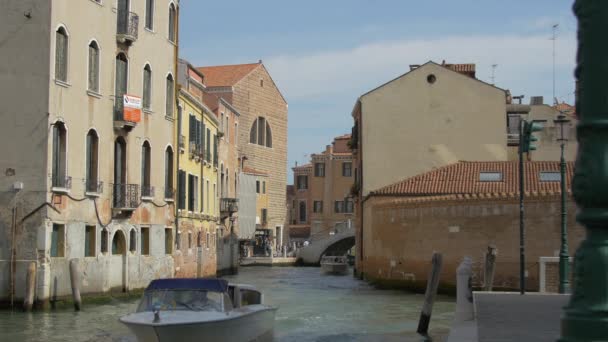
(312,307)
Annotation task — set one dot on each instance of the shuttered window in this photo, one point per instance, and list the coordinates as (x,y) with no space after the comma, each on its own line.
(199,134)
(150,14)
(145,169)
(215,159)
(61,55)
(208,146)
(191,129)
(147,96)
(181,186)
(94,67)
(169,97)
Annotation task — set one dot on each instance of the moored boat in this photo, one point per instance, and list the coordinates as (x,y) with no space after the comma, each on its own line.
(334,265)
(201,310)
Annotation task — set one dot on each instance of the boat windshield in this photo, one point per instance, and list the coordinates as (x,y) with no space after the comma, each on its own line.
(187,300)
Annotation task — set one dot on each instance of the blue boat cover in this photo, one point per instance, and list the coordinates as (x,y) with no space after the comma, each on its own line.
(208,284)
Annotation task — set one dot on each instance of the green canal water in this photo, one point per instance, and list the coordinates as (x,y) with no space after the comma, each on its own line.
(312,307)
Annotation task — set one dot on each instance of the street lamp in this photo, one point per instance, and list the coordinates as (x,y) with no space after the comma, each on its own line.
(562,126)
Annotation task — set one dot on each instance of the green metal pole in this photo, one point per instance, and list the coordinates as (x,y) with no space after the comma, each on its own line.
(564,258)
(586,316)
(522,231)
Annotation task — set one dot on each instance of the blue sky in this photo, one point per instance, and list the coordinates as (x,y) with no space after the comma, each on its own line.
(324,54)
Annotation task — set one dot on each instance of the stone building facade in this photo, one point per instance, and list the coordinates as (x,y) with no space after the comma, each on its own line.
(89,109)
(262,127)
(459,210)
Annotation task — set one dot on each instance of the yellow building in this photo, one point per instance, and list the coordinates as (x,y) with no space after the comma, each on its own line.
(197,165)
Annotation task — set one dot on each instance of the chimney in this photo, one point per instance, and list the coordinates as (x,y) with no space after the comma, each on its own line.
(259,61)
(536,100)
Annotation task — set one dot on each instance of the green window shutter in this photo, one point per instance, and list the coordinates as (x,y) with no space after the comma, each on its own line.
(61,55)
(191,129)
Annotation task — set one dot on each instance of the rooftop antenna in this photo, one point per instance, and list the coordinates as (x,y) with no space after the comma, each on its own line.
(554,38)
(493,71)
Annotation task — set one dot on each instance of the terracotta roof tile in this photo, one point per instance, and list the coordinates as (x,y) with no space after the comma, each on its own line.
(226,75)
(463,178)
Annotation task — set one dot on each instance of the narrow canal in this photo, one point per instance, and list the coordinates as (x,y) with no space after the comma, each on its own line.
(312,307)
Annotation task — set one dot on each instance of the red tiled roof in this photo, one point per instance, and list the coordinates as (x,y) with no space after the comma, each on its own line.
(566,109)
(463,178)
(253,171)
(226,75)
(301,232)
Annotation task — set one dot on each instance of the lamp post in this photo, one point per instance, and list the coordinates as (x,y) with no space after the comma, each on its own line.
(561,123)
(586,315)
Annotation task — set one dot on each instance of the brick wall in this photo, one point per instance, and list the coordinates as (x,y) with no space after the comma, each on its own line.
(400,236)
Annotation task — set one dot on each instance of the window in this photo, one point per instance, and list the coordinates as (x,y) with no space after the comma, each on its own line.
(208,147)
(264,187)
(92,162)
(192,193)
(146,189)
(339,207)
(319,169)
(302,211)
(133,241)
(178,240)
(260,132)
(169,172)
(172,23)
(61,55)
(89,241)
(317,206)
(347,169)
(189,240)
(349,206)
(215,156)
(227,129)
(169,97)
(202,195)
(550,176)
(490,176)
(120,173)
(94,67)
(145,241)
(104,241)
(181,189)
(257,186)
(120,85)
(222,128)
(59,156)
(207,196)
(168,240)
(147,95)
(58,241)
(264,215)
(150,14)
(513,123)
(302,182)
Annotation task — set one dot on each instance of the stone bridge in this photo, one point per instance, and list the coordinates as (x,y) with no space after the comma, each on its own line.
(331,244)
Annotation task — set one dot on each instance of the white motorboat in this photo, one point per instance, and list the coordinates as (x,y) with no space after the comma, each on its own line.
(201,310)
(334,265)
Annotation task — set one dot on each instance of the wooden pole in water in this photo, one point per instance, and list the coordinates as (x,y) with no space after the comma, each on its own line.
(429,296)
(30,284)
(75,282)
(490,266)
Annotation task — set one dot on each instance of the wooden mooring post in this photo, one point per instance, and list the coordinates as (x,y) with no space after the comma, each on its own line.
(429,296)
(489,267)
(30,287)
(75,282)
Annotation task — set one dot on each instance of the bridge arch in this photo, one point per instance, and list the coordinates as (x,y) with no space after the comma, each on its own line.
(337,244)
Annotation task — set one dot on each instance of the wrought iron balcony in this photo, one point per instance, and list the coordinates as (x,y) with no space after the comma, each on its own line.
(61,182)
(127,27)
(229,205)
(93,186)
(147,191)
(125,197)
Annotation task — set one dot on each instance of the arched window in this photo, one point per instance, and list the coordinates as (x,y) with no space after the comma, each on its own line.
(61,55)
(94,67)
(147,95)
(169,97)
(146,189)
(260,132)
(92,162)
(302,211)
(120,84)
(150,14)
(59,171)
(172,23)
(169,191)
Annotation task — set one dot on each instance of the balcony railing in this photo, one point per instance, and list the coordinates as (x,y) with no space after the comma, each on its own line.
(147,191)
(62,182)
(125,196)
(93,186)
(127,27)
(229,205)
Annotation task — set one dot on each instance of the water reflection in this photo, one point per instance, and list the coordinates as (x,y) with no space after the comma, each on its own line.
(312,307)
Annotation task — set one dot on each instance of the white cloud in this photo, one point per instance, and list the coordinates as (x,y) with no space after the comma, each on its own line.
(521,61)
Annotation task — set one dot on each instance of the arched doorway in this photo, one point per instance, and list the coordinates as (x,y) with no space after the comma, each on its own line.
(118,261)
